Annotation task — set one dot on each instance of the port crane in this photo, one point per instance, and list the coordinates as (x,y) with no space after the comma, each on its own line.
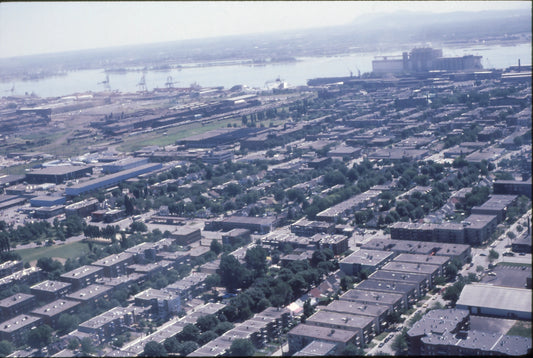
(142,84)
(170,83)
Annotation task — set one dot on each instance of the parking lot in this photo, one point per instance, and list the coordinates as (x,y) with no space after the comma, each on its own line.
(508,276)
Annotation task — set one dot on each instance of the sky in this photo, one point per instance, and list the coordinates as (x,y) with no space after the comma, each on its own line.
(28,28)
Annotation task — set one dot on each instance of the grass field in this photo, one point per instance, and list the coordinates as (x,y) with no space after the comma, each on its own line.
(172,134)
(67,251)
(522,329)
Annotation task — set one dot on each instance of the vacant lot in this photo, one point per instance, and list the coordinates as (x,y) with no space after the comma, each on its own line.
(68,251)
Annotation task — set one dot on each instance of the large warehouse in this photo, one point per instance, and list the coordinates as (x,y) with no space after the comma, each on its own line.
(110,180)
(58,174)
(486,299)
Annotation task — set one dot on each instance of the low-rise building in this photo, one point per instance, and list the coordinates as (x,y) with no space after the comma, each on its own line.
(15,329)
(303,334)
(496,205)
(15,305)
(441,261)
(27,276)
(9,267)
(364,260)
(236,236)
(348,207)
(490,300)
(409,291)
(513,187)
(50,312)
(185,235)
(460,252)
(317,349)
(475,343)
(304,227)
(378,313)
(394,301)
(113,322)
(189,286)
(163,303)
(336,243)
(82,208)
(152,268)
(91,294)
(478,228)
(436,322)
(423,282)
(82,276)
(50,290)
(447,332)
(124,281)
(261,225)
(115,265)
(363,325)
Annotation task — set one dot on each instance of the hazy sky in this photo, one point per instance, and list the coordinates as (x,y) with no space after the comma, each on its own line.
(32,28)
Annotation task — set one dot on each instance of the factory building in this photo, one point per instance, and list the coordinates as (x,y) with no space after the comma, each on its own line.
(123,164)
(58,174)
(489,300)
(424,59)
(111,179)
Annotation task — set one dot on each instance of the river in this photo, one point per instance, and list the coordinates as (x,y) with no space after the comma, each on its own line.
(294,73)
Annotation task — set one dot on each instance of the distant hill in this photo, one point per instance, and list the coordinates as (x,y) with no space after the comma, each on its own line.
(420,26)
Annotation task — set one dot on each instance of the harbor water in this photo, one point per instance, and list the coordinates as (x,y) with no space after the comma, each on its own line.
(294,73)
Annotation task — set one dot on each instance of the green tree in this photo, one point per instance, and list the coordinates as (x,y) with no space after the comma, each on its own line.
(154,349)
(256,260)
(67,323)
(5,348)
(138,226)
(308,308)
(399,344)
(206,337)
(172,345)
(128,205)
(73,344)
(40,336)
(223,327)
(241,348)
(352,350)
(233,274)
(215,246)
(188,347)
(207,322)
(189,333)
(493,255)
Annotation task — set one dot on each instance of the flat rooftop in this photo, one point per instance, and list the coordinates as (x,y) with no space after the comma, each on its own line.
(323,333)
(370,296)
(495,297)
(50,286)
(422,259)
(367,257)
(410,267)
(55,307)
